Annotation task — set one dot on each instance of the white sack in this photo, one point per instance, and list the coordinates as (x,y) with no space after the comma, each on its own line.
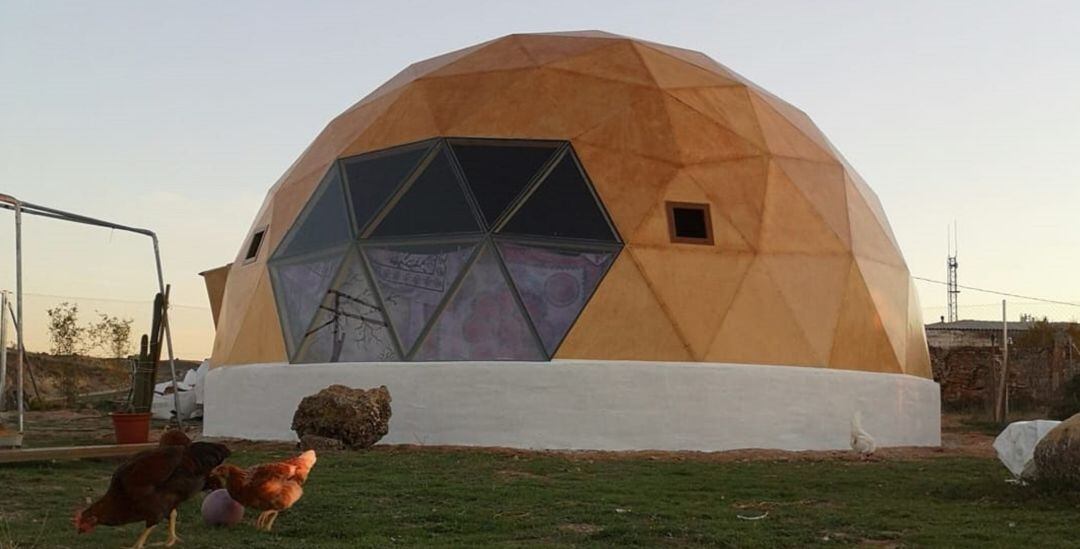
(1015,445)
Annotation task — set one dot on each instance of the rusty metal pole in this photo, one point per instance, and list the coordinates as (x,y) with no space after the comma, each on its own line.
(19,313)
(1001,403)
(3,347)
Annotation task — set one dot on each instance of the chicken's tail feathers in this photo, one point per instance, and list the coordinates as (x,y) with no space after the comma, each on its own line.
(305,460)
(856,421)
(303,463)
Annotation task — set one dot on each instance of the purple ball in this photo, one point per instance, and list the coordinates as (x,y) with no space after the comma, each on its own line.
(218,509)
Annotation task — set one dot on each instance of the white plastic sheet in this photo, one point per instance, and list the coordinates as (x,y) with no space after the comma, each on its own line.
(1015,445)
(190,395)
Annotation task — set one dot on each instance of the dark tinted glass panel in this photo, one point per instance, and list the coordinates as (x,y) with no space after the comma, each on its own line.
(372,180)
(690,223)
(497,174)
(323,224)
(253,246)
(413,279)
(350,325)
(298,288)
(434,204)
(562,206)
(482,321)
(554,284)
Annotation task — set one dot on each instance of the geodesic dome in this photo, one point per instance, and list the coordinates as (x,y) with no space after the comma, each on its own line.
(578,196)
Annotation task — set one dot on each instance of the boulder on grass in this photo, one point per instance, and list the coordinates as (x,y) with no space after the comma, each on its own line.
(320,444)
(1057,457)
(356,417)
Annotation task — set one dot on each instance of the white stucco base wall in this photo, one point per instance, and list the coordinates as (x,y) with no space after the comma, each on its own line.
(600,405)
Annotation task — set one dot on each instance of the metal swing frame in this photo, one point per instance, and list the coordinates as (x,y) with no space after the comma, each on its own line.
(20,207)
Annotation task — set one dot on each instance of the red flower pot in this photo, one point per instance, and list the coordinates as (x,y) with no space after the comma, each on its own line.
(131,428)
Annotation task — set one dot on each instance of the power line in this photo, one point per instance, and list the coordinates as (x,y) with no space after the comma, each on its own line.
(131,301)
(1043,300)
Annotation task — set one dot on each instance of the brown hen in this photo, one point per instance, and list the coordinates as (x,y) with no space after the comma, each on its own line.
(270,487)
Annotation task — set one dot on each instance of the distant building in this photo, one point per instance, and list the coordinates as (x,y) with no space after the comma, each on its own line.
(970,333)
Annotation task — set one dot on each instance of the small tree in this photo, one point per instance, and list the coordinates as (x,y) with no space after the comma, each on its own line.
(64,331)
(112,335)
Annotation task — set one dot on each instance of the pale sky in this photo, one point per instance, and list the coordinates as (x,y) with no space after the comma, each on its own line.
(179,116)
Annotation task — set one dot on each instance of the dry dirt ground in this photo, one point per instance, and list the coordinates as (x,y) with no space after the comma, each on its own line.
(85,427)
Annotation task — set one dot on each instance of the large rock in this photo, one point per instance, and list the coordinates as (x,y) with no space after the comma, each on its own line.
(1015,445)
(356,417)
(1057,457)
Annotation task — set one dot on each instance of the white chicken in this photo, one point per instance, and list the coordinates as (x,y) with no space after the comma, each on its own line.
(861,441)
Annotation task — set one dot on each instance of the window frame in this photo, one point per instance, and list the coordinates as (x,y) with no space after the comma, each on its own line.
(703,207)
(259,234)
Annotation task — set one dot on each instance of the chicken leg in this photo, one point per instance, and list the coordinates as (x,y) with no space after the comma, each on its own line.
(141,541)
(173,538)
(270,522)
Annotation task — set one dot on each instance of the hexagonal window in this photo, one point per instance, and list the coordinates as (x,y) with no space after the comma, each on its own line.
(463,249)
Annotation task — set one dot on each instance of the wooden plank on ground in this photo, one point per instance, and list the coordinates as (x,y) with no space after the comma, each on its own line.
(72,452)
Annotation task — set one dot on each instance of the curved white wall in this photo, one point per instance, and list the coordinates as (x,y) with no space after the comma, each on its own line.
(601,405)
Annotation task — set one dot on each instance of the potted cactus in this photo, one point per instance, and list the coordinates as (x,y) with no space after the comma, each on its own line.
(131,423)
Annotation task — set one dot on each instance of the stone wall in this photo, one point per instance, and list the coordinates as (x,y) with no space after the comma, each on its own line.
(968,375)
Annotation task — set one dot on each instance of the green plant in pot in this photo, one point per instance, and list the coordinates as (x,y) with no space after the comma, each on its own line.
(131,423)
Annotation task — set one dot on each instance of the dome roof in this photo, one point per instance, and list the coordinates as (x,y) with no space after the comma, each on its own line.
(745,236)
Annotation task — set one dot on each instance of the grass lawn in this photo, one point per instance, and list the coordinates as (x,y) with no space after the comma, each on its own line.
(428,497)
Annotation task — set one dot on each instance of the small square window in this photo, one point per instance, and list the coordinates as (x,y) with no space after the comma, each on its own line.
(689,223)
(253,246)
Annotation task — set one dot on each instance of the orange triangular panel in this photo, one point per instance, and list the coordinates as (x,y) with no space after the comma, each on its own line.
(455,98)
(582,102)
(408,119)
(861,342)
(737,189)
(813,288)
(335,137)
(671,72)
(544,49)
(641,129)
(623,320)
(728,106)
(617,61)
(759,327)
(695,287)
(502,54)
(822,185)
(790,223)
(694,58)
(868,237)
(918,356)
(872,201)
(888,287)
(258,338)
(783,137)
(522,109)
(654,230)
(629,185)
(702,140)
(798,119)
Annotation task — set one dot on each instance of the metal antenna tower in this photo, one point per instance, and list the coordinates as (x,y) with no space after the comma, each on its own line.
(952,287)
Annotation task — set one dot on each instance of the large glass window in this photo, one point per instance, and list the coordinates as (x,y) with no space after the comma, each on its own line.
(465,249)
(498,174)
(351,324)
(373,178)
(323,223)
(413,280)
